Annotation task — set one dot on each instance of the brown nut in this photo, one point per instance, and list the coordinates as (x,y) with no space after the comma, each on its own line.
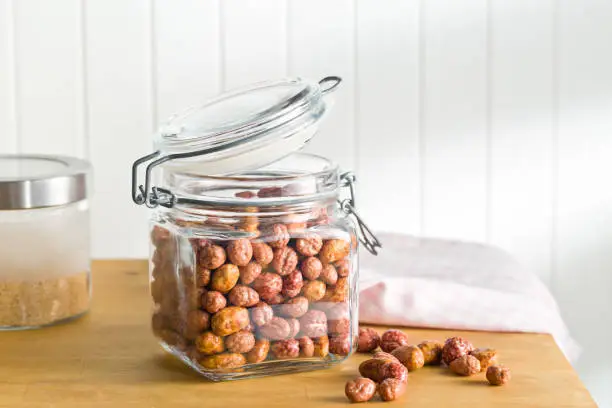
(267,285)
(230,320)
(212,256)
(277,329)
(197,322)
(275,300)
(285,349)
(249,272)
(321,346)
(339,326)
(360,389)
(334,250)
(498,375)
(306,346)
(296,307)
(209,343)
(244,296)
(410,356)
(391,389)
(284,261)
(294,327)
(160,236)
(487,357)
(340,344)
(261,314)
(339,292)
(292,284)
(310,245)
(225,360)
(203,277)
(465,365)
(432,351)
(391,369)
(213,301)
(240,251)
(240,342)
(268,192)
(329,275)
(454,348)
(314,290)
(343,268)
(225,278)
(371,369)
(311,268)
(369,339)
(314,323)
(278,235)
(259,352)
(262,253)
(392,339)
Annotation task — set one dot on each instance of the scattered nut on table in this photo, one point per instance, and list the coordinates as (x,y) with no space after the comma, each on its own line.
(360,389)
(498,375)
(465,365)
(410,356)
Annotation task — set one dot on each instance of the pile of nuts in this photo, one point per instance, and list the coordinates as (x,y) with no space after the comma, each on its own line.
(387,371)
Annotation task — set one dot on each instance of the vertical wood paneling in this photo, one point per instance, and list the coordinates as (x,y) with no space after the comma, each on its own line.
(8,125)
(254,41)
(582,278)
(454,118)
(49,88)
(120,118)
(322,43)
(522,130)
(187,54)
(387,114)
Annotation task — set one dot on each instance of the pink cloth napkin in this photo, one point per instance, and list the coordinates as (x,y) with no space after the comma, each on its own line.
(423,282)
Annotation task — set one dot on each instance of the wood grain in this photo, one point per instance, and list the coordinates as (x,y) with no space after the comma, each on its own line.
(109,359)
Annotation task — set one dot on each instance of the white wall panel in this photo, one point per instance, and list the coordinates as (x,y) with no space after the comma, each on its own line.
(8,118)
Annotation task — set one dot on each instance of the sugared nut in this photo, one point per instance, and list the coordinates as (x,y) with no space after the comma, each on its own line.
(378,369)
(311,268)
(310,245)
(267,285)
(498,375)
(262,253)
(278,235)
(392,339)
(244,296)
(285,349)
(340,344)
(314,290)
(225,278)
(209,343)
(465,365)
(261,314)
(240,251)
(343,268)
(295,307)
(213,301)
(369,339)
(212,256)
(276,329)
(339,326)
(432,351)
(229,320)
(339,292)
(391,369)
(410,356)
(306,346)
(225,360)
(314,323)
(454,348)
(294,327)
(284,261)
(275,299)
(334,250)
(240,342)
(249,272)
(329,275)
(321,346)
(391,389)
(197,321)
(486,356)
(292,284)
(203,277)
(259,352)
(360,389)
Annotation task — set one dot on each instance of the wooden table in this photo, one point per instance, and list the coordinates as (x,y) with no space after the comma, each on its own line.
(109,359)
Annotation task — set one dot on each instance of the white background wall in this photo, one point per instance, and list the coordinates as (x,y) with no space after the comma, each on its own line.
(487,120)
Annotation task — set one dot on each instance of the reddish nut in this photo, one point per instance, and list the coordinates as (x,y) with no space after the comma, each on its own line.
(243,296)
(229,320)
(372,368)
(261,314)
(306,346)
(294,327)
(321,346)
(311,268)
(343,268)
(391,369)
(432,351)
(259,352)
(292,284)
(278,235)
(197,321)
(249,273)
(284,261)
(277,329)
(262,253)
(240,342)
(275,300)
(213,301)
(225,278)
(268,192)
(286,349)
(314,323)
(240,251)
(295,307)
(225,360)
(339,326)
(360,389)
(410,356)
(392,339)
(454,348)
(339,292)
(212,256)
(314,290)
(391,389)
(369,339)
(487,357)
(334,250)
(310,245)
(465,365)
(329,274)
(498,375)
(340,344)
(268,284)
(209,343)
(203,277)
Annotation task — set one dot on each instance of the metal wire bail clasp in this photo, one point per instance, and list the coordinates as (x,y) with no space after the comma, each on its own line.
(366,236)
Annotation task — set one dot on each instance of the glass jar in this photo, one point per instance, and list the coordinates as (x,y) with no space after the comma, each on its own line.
(44,259)
(253,259)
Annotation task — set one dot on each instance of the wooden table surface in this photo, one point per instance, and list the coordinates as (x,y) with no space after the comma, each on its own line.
(109,358)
